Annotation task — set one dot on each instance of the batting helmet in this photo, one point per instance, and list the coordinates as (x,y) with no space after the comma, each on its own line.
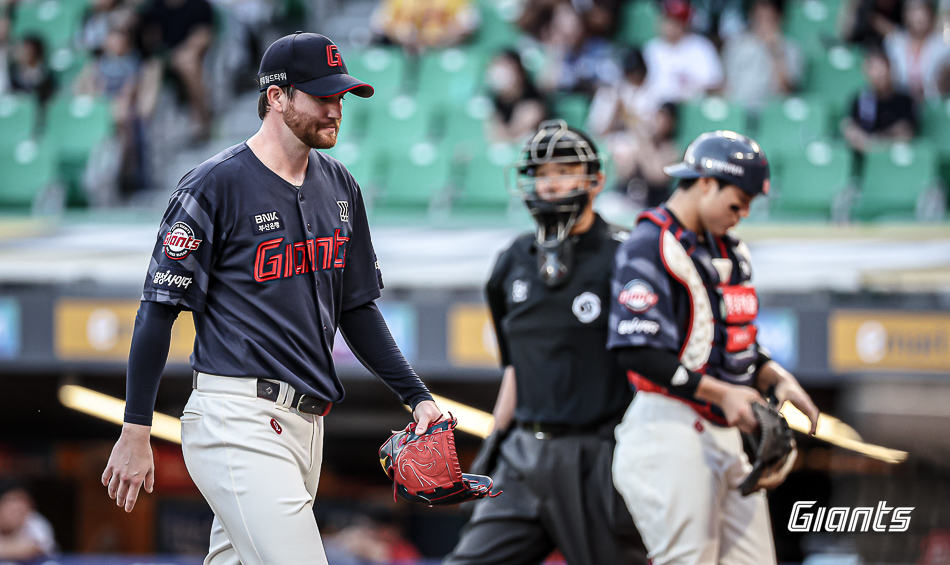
(727,156)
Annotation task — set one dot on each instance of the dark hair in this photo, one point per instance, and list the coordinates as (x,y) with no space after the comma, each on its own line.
(37,43)
(633,61)
(263,105)
(779,6)
(878,52)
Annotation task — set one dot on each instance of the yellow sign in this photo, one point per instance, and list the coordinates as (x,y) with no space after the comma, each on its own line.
(472,336)
(101,330)
(889,340)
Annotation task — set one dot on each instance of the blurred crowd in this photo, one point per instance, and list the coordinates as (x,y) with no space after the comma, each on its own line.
(633,91)
(734,49)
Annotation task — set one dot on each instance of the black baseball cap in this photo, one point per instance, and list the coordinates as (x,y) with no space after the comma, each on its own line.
(311,63)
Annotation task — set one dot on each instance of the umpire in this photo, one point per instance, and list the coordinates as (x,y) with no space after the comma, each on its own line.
(562,392)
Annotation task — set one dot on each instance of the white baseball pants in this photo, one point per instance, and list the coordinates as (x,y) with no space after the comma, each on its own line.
(678,474)
(257,463)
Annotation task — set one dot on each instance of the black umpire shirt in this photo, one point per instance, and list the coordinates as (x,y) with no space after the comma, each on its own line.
(556,339)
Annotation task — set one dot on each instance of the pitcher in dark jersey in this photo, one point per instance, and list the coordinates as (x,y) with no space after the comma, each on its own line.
(267,243)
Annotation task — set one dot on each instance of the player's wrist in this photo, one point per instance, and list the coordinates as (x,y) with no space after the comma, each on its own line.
(136,431)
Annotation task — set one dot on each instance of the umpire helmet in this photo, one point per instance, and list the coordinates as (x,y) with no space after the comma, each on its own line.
(727,156)
(555,214)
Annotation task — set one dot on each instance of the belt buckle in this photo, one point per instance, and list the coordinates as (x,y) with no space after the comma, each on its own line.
(538,433)
(297,405)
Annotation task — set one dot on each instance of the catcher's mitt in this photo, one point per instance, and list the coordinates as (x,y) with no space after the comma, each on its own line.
(772,451)
(426,468)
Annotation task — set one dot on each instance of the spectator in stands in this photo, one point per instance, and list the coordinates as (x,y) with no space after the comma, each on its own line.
(719,20)
(880,114)
(626,105)
(5,85)
(179,32)
(600,17)
(29,72)
(519,106)
(640,167)
(101,17)
(371,541)
(117,73)
(417,25)
(576,60)
(917,50)
(683,65)
(761,63)
(871,21)
(24,533)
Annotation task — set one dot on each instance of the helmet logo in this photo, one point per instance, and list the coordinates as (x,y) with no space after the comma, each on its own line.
(723,167)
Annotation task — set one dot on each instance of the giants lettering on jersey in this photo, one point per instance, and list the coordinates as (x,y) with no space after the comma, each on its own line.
(275,259)
(741,304)
(180,241)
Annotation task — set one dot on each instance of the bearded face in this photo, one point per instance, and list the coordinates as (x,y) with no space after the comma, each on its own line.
(313,128)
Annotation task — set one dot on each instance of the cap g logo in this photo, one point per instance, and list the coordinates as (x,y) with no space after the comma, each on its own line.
(638,296)
(180,241)
(333,56)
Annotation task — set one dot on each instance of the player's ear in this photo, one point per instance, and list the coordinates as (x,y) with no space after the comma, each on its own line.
(599,187)
(276,98)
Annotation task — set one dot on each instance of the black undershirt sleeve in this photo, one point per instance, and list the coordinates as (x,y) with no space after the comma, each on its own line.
(151,339)
(495,296)
(660,366)
(367,334)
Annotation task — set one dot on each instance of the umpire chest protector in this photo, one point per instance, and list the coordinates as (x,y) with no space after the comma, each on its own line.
(555,336)
(721,333)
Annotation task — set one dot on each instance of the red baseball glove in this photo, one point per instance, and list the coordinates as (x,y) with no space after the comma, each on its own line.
(426,469)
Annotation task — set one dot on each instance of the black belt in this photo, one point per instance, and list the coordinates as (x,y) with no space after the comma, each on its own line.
(304,403)
(543,430)
(269,390)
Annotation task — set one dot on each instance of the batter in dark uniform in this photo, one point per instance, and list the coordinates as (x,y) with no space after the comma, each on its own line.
(562,392)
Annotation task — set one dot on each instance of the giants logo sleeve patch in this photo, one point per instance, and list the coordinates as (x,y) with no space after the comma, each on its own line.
(180,241)
(266,222)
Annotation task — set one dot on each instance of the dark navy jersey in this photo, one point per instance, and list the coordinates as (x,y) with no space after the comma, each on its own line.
(693,298)
(555,338)
(265,267)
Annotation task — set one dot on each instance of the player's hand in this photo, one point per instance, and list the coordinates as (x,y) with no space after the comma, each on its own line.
(130,466)
(790,390)
(737,406)
(425,413)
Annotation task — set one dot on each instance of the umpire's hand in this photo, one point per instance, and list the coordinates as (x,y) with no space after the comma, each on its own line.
(130,466)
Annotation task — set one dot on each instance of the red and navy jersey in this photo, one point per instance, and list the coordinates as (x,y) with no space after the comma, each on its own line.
(694,298)
(265,266)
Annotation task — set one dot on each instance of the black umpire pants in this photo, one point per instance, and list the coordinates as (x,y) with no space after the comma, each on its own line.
(558,492)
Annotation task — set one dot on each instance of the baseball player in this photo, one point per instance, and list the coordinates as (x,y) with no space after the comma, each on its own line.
(682,322)
(562,393)
(267,243)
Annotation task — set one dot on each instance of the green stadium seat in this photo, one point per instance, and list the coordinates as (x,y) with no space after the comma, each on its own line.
(810,184)
(66,64)
(812,23)
(935,128)
(572,108)
(54,21)
(467,125)
(836,75)
(362,164)
(74,126)
(28,168)
(415,176)
(710,114)
(449,77)
(497,29)
(483,185)
(401,121)
(896,182)
(384,69)
(638,21)
(17,119)
(787,126)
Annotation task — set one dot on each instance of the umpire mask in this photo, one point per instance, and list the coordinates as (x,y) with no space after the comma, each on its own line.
(557,200)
